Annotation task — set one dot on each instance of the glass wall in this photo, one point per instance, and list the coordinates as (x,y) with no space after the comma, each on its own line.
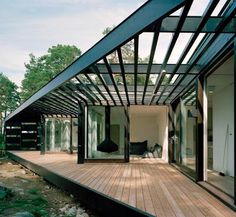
(97,134)
(184,153)
(220,127)
(188,130)
(96,130)
(57,134)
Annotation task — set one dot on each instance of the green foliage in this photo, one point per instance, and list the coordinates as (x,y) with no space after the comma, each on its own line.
(127,51)
(40,70)
(5,193)
(9,96)
(33,191)
(34,204)
(9,100)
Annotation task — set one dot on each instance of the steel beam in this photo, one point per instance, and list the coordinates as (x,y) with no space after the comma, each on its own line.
(147,14)
(171,46)
(191,25)
(136,44)
(227,17)
(96,88)
(88,89)
(150,62)
(112,79)
(123,73)
(104,84)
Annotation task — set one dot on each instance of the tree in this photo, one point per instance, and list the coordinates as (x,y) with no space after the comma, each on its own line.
(9,99)
(127,51)
(40,70)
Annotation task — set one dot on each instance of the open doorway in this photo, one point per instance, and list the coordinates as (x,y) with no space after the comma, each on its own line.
(148,132)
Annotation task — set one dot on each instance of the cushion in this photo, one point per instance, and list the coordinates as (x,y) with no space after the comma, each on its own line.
(138,148)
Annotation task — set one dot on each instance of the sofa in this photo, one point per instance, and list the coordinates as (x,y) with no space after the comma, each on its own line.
(138,148)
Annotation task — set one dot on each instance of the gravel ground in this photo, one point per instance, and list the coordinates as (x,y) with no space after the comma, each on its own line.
(29,193)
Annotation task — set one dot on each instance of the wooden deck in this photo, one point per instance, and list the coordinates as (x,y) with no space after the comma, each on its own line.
(148,184)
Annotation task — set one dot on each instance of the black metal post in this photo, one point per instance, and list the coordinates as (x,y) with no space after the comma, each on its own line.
(234,122)
(107,122)
(200,133)
(42,136)
(81,136)
(127,139)
(71,135)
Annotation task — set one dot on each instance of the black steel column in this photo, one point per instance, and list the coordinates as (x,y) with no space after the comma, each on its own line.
(127,139)
(234,122)
(42,135)
(107,122)
(199,142)
(81,136)
(171,133)
(71,135)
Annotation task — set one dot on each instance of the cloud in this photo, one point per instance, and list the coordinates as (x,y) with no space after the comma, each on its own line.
(34,26)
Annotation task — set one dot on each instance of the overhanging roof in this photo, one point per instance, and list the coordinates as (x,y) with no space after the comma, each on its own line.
(93,80)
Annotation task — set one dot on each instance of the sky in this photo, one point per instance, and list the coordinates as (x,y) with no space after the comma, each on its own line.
(33,26)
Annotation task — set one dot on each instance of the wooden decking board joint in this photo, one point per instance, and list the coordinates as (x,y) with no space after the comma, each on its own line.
(143,187)
(95,200)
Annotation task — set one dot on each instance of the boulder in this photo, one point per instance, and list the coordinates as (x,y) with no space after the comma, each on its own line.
(23,214)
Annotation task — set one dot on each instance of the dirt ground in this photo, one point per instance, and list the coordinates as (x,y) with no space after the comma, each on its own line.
(29,192)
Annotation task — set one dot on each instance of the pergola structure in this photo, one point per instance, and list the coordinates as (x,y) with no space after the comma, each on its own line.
(94,79)
(91,79)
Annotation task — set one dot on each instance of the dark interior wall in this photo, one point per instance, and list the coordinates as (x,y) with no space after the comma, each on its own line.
(23,131)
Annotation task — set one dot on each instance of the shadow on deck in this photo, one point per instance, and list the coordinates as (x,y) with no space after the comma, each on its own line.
(144,187)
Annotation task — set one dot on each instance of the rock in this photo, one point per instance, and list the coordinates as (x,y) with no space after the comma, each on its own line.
(9,163)
(23,172)
(80,211)
(85,214)
(71,195)
(21,193)
(71,211)
(23,214)
(63,209)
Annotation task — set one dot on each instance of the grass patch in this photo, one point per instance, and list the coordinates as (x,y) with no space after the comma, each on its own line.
(33,203)
(33,191)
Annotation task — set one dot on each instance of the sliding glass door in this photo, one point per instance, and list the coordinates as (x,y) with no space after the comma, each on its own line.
(184,153)
(220,127)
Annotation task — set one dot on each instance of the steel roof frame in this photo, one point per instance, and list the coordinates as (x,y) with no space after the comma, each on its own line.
(64,96)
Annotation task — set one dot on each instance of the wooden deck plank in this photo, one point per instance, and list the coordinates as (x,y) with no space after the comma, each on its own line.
(148,204)
(112,179)
(112,191)
(162,206)
(139,190)
(147,184)
(107,179)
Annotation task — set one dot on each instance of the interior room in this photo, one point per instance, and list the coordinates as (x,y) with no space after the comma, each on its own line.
(149,124)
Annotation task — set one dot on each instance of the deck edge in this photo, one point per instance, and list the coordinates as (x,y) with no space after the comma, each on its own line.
(93,199)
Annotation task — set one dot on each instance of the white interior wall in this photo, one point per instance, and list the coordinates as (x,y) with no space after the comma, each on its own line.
(223,113)
(150,123)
